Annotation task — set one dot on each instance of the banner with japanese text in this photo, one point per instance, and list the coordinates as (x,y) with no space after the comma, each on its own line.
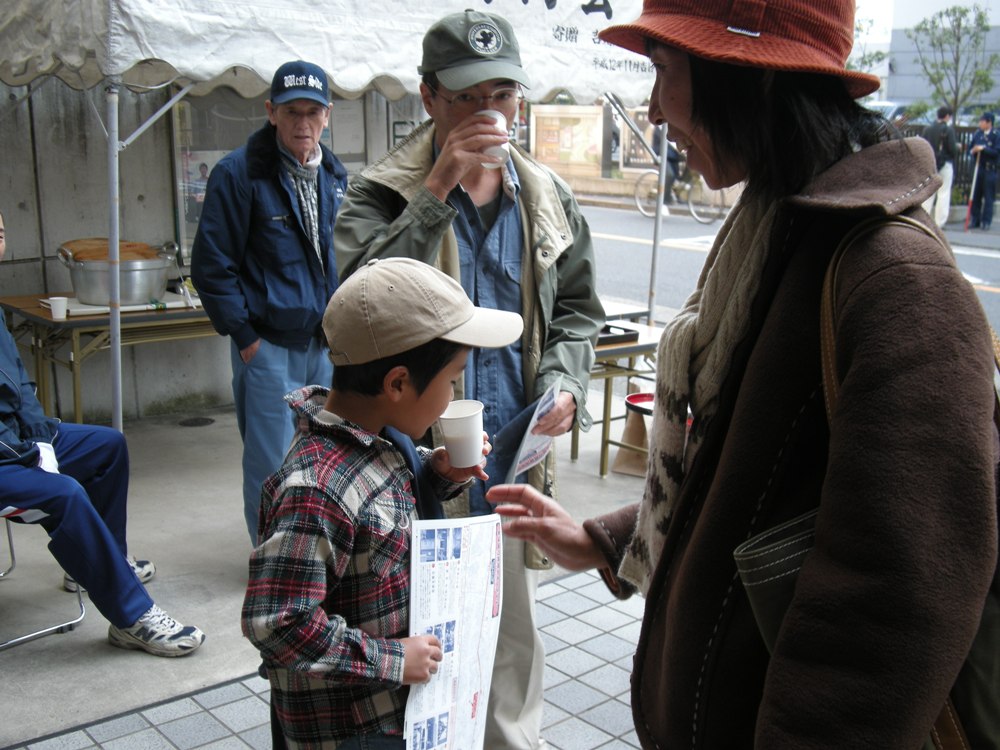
(361,44)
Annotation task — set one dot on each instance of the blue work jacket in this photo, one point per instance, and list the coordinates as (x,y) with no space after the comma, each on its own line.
(253,263)
(22,421)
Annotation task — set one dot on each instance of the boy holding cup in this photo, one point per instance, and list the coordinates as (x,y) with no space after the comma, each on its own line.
(327,603)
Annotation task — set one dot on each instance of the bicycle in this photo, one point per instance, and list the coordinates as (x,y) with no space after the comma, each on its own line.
(704,203)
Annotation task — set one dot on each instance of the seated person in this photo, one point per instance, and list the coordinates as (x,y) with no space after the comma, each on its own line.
(327,603)
(72,480)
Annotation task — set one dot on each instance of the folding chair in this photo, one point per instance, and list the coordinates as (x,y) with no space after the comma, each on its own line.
(63,627)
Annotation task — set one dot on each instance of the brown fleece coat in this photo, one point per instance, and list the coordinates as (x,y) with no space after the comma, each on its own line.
(890,597)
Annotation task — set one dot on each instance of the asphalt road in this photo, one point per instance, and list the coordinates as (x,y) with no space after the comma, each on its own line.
(623,248)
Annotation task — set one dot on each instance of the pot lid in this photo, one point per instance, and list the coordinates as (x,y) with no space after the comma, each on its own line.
(96,248)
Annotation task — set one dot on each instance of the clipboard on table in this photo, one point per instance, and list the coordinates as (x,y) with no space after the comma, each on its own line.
(612,334)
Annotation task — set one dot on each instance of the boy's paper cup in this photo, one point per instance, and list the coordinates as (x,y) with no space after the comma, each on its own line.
(462,425)
(57,306)
(503,150)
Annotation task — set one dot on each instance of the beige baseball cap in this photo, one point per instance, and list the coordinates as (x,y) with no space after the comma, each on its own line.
(393,305)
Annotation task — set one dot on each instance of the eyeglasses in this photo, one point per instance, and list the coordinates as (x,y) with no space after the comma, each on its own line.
(498,98)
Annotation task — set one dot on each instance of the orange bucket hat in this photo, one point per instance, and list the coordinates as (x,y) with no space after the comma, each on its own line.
(809,36)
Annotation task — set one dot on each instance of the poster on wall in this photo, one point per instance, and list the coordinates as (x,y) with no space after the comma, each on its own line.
(205,129)
(634,154)
(568,138)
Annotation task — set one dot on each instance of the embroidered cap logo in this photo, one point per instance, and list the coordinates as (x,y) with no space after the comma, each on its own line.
(485,39)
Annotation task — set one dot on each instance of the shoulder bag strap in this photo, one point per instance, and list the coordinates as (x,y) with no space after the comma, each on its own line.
(828,322)
(947,733)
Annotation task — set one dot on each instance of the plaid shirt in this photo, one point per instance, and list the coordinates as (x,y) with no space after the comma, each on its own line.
(328,595)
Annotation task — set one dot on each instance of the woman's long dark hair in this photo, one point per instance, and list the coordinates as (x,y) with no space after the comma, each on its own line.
(784,127)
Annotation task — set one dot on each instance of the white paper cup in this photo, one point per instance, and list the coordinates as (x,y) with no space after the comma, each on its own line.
(57,306)
(503,150)
(462,425)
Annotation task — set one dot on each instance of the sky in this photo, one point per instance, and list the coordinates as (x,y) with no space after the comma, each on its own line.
(901,14)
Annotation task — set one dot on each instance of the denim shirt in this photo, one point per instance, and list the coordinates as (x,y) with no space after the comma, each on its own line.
(491,276)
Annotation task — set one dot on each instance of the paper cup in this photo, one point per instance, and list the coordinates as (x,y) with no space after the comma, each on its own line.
(57,306)
(462,425)
(502,151)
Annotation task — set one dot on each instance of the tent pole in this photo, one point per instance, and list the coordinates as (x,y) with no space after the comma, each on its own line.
(619,107)
(114,285)
(657,226)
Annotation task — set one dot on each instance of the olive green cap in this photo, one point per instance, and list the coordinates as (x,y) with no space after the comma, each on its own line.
(467,48)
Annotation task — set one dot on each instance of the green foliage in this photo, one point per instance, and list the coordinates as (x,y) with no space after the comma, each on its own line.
(951,49)
(917,110)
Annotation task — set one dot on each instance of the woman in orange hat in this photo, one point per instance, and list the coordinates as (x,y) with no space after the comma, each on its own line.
(891,594)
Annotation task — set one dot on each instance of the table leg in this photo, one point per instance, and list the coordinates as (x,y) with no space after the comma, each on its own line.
(606,425)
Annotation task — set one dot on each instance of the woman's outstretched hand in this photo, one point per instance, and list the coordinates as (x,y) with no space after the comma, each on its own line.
(533,517)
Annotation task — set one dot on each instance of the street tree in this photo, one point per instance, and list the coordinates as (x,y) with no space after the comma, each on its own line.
(862,59)
(951,50)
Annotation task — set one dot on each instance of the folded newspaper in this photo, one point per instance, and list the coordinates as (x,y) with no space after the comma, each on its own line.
(515,448)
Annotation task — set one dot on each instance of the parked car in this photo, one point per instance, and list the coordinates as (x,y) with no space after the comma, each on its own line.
(891,111)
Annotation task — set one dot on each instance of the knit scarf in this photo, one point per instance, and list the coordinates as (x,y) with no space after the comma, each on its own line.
(694,354)
(305,177)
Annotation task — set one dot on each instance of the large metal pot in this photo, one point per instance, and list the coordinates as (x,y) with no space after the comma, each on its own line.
(143,270)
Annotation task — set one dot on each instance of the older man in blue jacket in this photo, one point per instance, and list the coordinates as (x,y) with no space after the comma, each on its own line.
(264,266)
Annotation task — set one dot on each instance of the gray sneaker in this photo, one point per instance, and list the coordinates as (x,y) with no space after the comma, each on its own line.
(158,633)
(143,568)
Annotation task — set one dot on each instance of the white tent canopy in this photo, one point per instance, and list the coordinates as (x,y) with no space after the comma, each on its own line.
(362,44)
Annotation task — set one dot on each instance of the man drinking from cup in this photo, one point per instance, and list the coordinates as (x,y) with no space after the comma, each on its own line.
(511,232)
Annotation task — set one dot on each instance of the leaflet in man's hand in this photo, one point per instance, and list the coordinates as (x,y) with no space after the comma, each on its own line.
(515,448)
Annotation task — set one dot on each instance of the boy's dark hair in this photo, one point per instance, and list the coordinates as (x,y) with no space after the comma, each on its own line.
(944,112)
(424,362)
(786,127)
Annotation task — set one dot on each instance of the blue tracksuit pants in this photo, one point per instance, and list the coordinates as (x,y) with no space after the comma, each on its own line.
(83,509)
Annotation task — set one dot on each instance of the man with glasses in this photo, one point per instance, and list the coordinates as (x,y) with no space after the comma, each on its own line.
(511,232)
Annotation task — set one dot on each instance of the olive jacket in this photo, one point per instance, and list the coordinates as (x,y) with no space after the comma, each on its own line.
(388,212)
(888,600)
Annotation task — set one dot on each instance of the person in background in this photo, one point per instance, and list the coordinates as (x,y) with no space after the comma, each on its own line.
(511,232)
(72,480)
(898,580)
(199,186)
(941,136)
(673,163)
(985,148)
(328,598)
(263,264)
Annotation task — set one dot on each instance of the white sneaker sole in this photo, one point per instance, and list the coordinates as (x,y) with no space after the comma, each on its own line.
(187,644)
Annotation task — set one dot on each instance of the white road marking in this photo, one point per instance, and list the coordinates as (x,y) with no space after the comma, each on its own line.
(703,243)
(700,244)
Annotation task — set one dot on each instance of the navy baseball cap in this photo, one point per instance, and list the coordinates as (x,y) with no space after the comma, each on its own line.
(988,116)
(299,80)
